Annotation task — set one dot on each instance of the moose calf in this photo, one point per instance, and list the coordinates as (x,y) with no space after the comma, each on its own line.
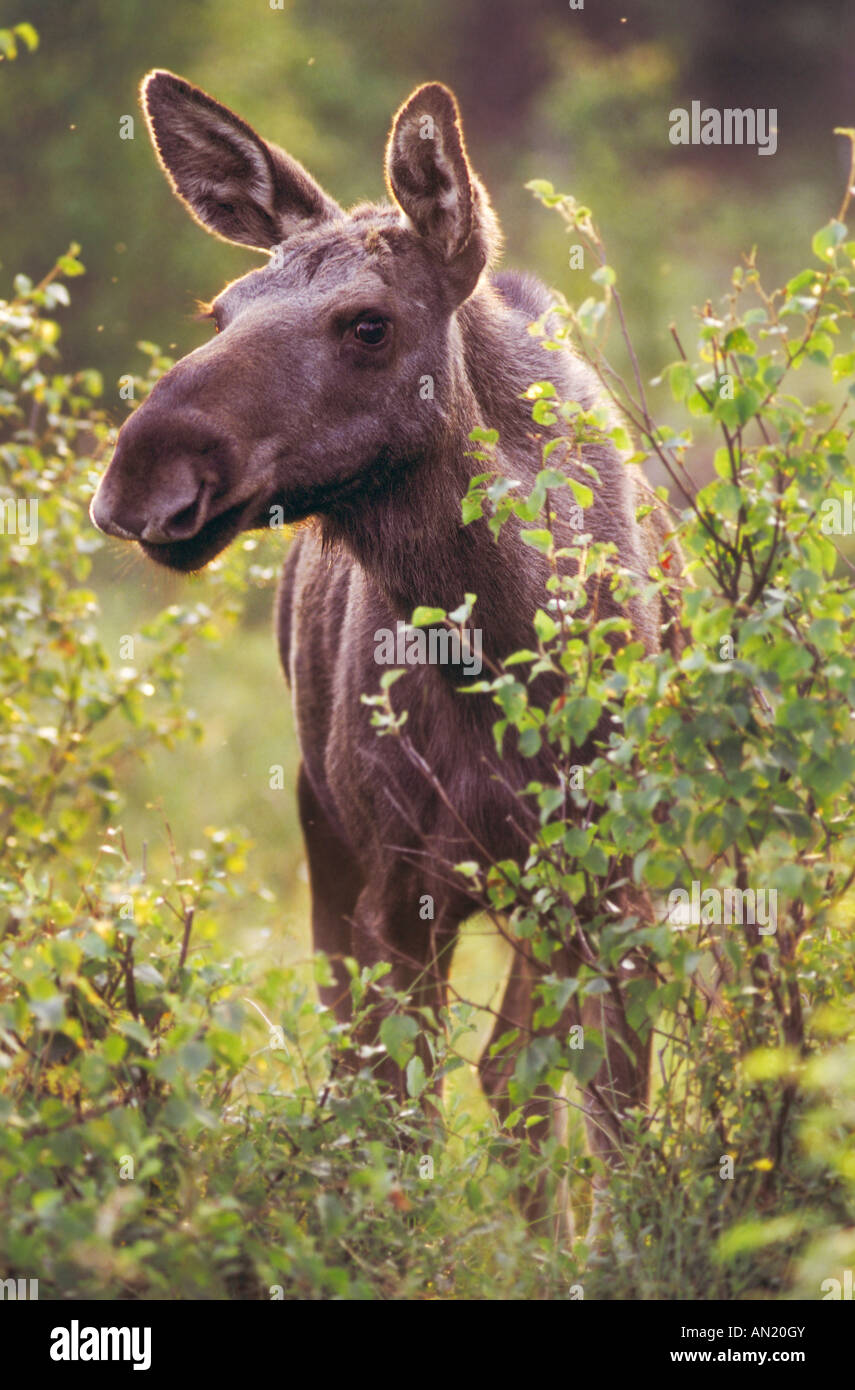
(308,400)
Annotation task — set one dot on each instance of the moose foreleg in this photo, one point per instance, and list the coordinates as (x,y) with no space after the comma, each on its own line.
(387,927)
(547,1211)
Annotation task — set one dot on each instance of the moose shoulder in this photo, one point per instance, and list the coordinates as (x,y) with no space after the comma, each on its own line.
(309,400)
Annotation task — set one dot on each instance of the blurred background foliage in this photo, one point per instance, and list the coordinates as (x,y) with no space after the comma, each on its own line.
(577,96)
(580,97)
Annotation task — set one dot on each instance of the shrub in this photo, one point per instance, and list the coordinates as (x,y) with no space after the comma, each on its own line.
(728,773)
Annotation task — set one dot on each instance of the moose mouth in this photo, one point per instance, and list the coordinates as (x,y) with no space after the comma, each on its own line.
(195,553)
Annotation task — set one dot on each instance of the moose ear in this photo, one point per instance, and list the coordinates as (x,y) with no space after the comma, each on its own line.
(233,182)
(429,176)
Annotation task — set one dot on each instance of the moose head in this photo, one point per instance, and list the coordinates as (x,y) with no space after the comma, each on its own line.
(307,394)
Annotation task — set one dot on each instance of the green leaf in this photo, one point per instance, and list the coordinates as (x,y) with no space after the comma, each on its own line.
(49,1011)
(542,415)
(540,186)
(827,239)
(424,617)
(594,860)
(545,626)
(474,1196)
(538,540)
(114,1049)
(582,493)
(532,1064)
(194,1057)
(756,1234)
(584,1062)
(681,379)
(416,1078)
(397,1033)
(70,266)
(737,340)
(26,32)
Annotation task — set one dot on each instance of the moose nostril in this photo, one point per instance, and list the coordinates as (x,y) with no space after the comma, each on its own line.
(185,520)
(182,524)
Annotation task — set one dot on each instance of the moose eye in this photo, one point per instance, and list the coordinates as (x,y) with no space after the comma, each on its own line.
(371,330)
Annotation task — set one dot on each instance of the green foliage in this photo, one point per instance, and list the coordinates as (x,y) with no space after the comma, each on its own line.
(729,766)
(725,780)
(160,1139)
(566,90)
(11,39)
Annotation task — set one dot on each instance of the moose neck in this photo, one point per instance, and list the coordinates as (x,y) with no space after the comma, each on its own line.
(409,536)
